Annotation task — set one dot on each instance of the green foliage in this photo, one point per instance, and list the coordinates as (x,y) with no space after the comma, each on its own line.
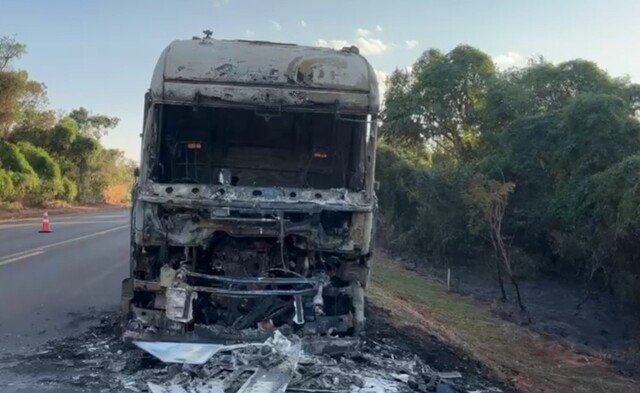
(440,100)
(20,97)
(553,86)
(69,190)
(6,186)
(10,49)
(567,136)
(47,170)
(489,198)
(93,125)
(11,158)
(422,207)
(24,178)
(63,135)
(598,132)
(40,161)
(12,87)
(43,158)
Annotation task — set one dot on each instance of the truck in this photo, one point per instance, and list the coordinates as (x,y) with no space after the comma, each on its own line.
(254,204)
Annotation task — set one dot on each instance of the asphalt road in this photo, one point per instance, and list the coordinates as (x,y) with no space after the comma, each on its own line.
(52,285)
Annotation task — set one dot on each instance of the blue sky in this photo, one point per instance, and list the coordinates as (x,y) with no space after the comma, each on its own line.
(100,54)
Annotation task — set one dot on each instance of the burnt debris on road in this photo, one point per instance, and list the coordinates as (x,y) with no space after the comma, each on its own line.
(98,361)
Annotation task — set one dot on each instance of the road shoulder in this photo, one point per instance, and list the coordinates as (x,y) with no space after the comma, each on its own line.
(525,359)
(34,213)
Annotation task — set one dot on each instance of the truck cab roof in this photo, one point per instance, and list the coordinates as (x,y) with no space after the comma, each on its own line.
(264,73)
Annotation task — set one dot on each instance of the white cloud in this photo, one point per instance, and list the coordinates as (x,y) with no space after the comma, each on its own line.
(360,32)
(378,28)
(303,23)
(333,44)
(509,60)
(370,46)
(411,44)
(249,33)
(363,40)
(276,26)
(219,3)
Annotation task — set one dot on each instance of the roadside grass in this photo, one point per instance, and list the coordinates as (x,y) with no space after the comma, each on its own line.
(515,354)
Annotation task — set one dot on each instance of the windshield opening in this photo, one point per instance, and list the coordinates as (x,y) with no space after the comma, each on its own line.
(246,148)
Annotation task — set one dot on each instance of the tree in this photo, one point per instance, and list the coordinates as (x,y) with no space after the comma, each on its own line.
(10,49)
(553,86)
(43,157)
(491,198)
(12,87)
(86,165)
(598,131)
(440,100)
(93,125)
(62,136)
(22,101)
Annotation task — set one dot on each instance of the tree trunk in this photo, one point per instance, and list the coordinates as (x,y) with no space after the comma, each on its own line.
(507,265)
(498,266)
(515,285)
(500,282)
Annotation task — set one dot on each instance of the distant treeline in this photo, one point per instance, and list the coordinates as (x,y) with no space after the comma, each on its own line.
(46,158)
(558,143)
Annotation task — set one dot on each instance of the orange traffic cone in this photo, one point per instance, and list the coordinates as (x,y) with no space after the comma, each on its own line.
(45,227)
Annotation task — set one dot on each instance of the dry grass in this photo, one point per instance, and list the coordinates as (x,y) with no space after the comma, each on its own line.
(528,361)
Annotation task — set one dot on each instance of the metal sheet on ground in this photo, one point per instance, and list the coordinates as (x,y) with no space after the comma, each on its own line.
(175,352)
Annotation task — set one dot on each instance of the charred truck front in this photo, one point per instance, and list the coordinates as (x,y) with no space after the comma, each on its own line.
(254,205)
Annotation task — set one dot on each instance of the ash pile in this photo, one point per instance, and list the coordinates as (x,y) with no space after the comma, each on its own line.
(98,361)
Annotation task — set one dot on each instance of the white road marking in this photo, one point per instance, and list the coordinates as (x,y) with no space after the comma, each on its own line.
(38,250)
(31,254)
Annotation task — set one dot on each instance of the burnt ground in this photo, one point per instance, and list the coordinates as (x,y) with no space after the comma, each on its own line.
(588,320)
(432,351)
(389,361)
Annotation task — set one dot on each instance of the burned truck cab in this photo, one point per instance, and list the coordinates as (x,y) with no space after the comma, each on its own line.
(254,205)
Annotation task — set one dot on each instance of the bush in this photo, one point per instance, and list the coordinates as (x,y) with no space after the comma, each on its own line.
(55,204)
(7,189)
(63,135)
(70,190)
(13,160)
(24,183)
(601,216)
(47,169)
(23,176)
(11,206)
(422,206)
